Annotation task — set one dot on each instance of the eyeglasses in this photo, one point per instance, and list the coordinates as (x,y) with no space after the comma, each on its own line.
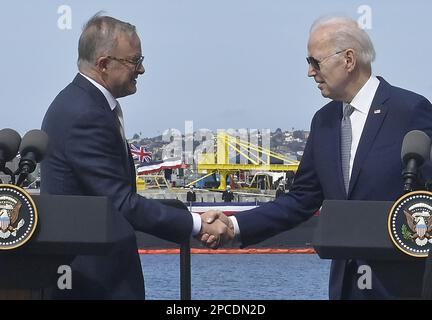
(136,62)
(315,63)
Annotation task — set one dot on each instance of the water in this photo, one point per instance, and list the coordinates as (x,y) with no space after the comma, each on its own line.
(239,276)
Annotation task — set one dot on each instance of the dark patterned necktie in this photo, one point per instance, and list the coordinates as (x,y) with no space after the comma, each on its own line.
(346,140)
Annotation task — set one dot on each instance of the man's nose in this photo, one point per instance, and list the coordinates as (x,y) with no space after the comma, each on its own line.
(141,69)
(311,71)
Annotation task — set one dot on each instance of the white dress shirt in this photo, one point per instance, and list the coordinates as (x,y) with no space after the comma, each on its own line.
(361,103)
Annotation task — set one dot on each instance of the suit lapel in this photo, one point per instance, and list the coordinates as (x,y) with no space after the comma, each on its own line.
(101,101)
(375,118)
(98,97)
(327,140)
(94,92)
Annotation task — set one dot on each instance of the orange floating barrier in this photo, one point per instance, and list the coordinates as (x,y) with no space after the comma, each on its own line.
(231,251)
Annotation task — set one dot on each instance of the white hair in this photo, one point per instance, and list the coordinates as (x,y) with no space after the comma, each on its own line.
(347,35)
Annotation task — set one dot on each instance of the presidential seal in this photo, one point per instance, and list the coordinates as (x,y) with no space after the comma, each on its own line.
(18,217)
(410,223)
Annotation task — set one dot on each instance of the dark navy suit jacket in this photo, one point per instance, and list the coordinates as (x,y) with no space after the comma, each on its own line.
(87,156)
(376,175)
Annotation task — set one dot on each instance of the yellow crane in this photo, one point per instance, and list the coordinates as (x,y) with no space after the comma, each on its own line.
(257,158)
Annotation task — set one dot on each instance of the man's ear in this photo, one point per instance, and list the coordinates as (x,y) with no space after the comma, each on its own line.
(350,59)
(102,64)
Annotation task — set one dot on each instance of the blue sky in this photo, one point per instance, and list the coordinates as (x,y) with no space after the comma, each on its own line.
(220,63)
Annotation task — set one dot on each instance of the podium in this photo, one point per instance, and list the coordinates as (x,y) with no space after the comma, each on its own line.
(351,229)
(68,226)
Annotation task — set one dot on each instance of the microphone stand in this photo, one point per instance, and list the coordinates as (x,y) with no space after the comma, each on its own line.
(9,172)
(21,178)
(409,175)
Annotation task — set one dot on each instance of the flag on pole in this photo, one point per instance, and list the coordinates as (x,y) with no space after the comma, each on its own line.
(141,154)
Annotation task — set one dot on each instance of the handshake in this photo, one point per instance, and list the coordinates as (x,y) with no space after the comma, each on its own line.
(216,229)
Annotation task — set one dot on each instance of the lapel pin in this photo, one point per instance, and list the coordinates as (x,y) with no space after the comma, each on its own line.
(377,111)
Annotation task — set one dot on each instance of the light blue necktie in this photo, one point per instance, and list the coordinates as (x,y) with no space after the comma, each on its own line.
(346,140)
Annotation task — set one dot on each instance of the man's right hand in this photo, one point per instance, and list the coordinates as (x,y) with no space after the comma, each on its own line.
(217,229)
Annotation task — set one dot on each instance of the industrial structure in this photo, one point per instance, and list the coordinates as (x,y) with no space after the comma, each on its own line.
(247,158)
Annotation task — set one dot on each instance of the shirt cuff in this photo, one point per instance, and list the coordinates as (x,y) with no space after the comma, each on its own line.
(236,228)
(196,217)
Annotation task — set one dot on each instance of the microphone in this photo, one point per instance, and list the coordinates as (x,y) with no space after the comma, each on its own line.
(416,147)
(9,143)
(33,148)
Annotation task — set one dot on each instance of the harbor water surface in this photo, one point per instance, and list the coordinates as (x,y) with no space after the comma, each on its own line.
(239,276)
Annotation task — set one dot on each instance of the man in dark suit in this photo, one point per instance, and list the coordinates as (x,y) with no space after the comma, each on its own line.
(362,163)
(89,155)
(227,195)
(280,190)
(191,195)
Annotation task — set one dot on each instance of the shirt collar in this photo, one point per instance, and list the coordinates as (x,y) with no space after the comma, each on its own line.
(363,99)
(108,96)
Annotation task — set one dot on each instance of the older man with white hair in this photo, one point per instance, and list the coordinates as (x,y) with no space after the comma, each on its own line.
(353,152)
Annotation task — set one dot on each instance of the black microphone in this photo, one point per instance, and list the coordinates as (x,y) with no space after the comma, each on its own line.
(9,143)
(416,148)
(33,148)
